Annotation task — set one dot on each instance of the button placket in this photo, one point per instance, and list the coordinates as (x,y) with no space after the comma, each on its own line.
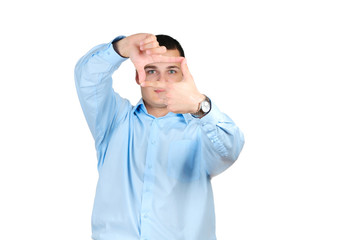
(148,179)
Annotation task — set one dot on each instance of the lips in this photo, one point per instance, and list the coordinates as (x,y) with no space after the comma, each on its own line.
(159,90)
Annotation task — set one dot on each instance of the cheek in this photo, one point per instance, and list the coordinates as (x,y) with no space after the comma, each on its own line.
(151,77)
(175,78)
(145,92)
(148,93)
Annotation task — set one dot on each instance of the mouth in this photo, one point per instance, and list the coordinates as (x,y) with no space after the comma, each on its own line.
(159,90)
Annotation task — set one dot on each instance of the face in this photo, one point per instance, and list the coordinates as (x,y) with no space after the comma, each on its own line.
(167,72)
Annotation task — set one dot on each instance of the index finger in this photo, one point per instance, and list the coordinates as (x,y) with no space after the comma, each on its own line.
(162,58)
(154,84)
(141,74)
(185,69)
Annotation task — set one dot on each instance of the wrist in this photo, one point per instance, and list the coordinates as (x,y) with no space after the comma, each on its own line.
(120,47)
(204,107)
(197,102)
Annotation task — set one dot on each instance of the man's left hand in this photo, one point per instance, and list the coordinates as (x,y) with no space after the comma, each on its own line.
(180,97)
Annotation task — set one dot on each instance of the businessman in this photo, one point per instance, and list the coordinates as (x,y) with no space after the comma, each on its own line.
(155,159)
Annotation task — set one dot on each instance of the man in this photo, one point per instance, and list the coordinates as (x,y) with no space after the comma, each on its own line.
(155,159)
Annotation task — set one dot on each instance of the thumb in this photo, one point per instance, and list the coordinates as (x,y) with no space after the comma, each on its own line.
(186,74)
(141,75)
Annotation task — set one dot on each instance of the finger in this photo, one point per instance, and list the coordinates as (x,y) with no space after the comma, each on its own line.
(161,58)
(149,38)
(141,75)
(156,51)
(149,45)
(185,70)
(154,84)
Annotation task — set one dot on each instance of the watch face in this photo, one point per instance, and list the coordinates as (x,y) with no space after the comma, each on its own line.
(206,106)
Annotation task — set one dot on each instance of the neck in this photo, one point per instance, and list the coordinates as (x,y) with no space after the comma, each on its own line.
(156,111)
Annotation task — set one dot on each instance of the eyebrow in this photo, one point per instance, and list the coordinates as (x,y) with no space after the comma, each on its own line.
(169,67)
(150,66)
(155,67)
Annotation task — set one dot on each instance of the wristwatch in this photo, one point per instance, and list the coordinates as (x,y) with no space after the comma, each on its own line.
(204,108)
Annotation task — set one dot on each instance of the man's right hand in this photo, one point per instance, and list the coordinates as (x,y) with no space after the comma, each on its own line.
(142,49)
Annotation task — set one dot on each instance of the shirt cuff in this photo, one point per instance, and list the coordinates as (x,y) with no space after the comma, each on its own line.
(110,55)
(213,117)
(209,124)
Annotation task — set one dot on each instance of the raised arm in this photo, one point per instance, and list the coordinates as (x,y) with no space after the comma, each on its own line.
(102,107)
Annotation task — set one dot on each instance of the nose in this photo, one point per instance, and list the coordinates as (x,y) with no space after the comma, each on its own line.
(162,78)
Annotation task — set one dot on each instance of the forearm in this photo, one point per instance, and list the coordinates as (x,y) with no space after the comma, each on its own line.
(223,141)
(97,65)
(94,87)
(120,46)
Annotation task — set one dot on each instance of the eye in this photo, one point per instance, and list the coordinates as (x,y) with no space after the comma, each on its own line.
(172,72)
(151,71)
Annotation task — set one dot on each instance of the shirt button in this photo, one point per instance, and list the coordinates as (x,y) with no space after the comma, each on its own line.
(145,216)
(153,141)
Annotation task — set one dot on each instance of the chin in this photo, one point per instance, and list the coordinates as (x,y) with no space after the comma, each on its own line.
(159,105)
(154,103)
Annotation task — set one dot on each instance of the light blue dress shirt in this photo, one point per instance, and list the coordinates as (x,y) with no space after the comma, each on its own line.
(154,173)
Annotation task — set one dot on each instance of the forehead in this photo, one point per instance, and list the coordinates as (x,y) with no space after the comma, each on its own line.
(169,53)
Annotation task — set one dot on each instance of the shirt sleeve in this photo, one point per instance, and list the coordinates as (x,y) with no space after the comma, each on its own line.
(222,141)
(101,106)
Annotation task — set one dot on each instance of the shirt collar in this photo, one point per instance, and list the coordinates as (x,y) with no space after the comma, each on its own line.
(141,107)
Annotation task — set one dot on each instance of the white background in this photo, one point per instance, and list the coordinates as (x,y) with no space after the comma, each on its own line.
(287,72)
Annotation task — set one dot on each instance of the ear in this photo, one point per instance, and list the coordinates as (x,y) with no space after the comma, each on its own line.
(136,77)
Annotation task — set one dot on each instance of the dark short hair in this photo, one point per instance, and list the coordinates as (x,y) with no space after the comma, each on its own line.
(170,43)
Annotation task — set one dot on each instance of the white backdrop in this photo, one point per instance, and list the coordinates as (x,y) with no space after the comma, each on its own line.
(287,72)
